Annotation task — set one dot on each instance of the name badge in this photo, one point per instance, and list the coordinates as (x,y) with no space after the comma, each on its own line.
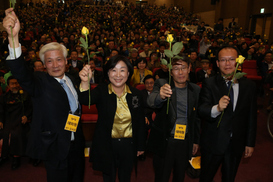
(72,123)
(180,131)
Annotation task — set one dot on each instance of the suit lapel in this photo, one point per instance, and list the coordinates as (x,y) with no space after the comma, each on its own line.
(240,97)
(223,90)
(190,101)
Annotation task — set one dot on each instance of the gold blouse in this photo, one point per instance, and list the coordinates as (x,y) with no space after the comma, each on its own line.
(122,126)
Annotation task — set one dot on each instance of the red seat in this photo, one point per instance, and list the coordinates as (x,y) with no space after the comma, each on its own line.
(89,115)
(250,64)
(155,69)
(197,69)
(250,68)
(140,86)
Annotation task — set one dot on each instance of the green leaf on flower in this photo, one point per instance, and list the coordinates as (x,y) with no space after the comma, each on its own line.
(13,2)
(170,66)
(177,47)
(228,75)
(164,62)
(168,53)
(178,57)
(239,75)
(92,55)
(84,44)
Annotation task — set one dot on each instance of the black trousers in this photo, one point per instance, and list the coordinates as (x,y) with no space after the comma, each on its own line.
(123,160)
(210,164)
(69,170)
(176,159)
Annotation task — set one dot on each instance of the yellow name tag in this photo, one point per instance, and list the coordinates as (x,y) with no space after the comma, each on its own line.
(180,131)
(72,123)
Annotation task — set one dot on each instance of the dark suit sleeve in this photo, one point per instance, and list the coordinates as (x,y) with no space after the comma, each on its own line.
(154,100)
(252,120)
(196,139)
(205,102)
(95,95)
(142,128)
(24,77)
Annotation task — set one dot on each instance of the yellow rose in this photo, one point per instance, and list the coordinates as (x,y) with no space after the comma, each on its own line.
(170,38)
(240,59)
(209,51)
(83,54)
(21,91)
(107,43)
(157,50)
(188,39)
(85,31)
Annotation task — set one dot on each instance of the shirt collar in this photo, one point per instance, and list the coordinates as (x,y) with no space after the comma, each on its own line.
(59,79)
(126,89)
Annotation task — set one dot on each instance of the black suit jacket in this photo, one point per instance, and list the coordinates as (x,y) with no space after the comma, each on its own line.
(241,123)
(201,75)
(101,151)
(163,124)
(48,140)
(98,75)
(147,109)
(79,64)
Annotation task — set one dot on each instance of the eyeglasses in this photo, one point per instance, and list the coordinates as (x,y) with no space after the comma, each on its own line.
(227,59)
(184,68)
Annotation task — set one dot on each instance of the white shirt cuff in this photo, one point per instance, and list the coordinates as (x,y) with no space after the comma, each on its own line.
(18,52)
(214,111)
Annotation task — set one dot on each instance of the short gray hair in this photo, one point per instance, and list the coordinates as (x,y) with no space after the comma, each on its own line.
(51,47)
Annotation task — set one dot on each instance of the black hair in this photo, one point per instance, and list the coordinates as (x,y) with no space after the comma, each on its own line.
(152,54)
(113,61)
(148,77)
(141,59)
(74,50)
(115,50)
(267,52)
(38,61)
(10,78)
(162,44)
(184,59)
(227,47)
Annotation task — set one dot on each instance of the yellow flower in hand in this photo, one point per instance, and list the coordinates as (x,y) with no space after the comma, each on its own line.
(170,38)
(240,59)
(21,91)
(85,31)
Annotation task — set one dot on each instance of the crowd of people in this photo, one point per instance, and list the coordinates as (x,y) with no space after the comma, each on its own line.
(126,44)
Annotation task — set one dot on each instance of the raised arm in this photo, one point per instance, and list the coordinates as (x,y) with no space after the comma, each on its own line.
(11,21)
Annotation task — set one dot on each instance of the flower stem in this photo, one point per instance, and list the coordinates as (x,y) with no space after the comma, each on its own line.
(88,58)
(232,80)
(168,102)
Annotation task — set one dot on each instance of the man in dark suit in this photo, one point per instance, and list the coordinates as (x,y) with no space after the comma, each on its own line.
(54,97)
(74,61)
(161,53)
(149,86)
(172,151)
(205,72)
(236,133)
(97,76)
